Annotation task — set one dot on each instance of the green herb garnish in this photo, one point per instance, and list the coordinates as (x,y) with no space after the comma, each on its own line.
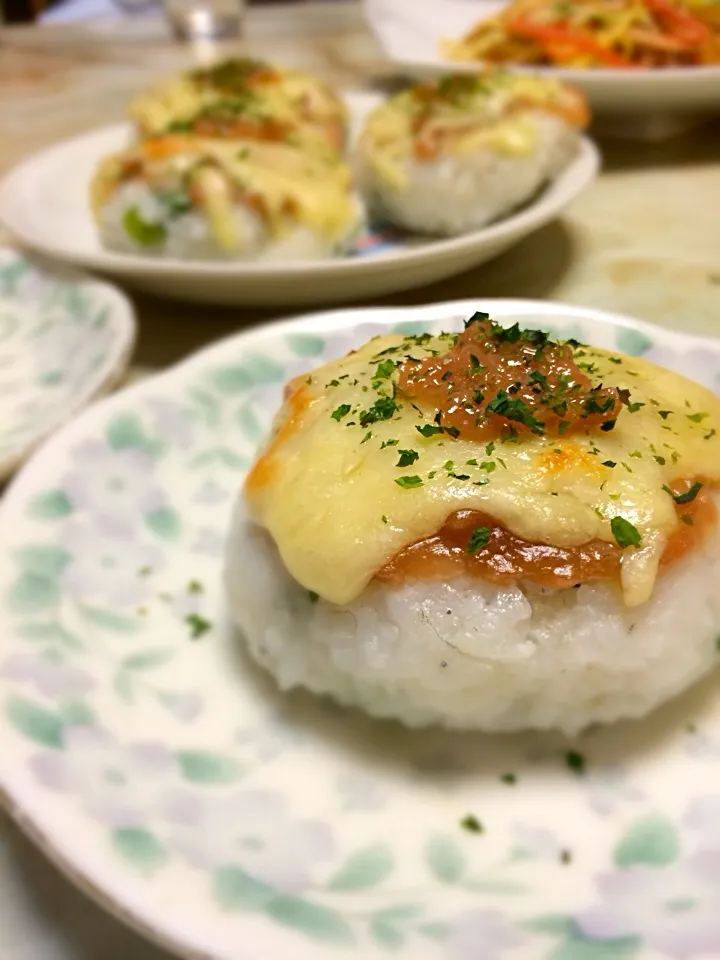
(477,317)
(475,365)
(407,483)
(382,409)
(471,824)
(339,412)
(625,533)
(516,410)
(176,202)
(385,370)
(479,538)
(146,233)
(686,497)
(697,417)
(593,406)
(407,457)
(429,430)
(198,625)
(576,761)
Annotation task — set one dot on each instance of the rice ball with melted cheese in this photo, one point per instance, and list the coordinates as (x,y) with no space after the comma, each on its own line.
(450,157)
(223,98)
(487,531)
(193,198)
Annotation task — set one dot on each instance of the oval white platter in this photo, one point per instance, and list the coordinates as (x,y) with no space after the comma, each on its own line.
(172,782)
(410,32)
(65,339)
(44,203)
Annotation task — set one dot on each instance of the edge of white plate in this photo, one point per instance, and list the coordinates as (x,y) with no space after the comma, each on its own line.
(570,183)
(107,376)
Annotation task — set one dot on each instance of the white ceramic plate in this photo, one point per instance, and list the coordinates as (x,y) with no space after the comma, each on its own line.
(64,340)
(410,32)
(173,782)
(44,202)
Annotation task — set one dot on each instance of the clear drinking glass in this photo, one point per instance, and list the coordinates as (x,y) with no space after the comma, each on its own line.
(205,19)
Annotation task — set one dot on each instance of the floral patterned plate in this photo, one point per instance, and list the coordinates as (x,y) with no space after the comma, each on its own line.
(171,780)
(64,339)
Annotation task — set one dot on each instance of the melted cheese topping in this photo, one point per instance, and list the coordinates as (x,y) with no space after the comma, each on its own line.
(301,101)
(282,184)
(462,114)
(326,486)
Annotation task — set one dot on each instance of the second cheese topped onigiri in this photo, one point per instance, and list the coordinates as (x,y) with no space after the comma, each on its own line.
(449,157)
(223,99)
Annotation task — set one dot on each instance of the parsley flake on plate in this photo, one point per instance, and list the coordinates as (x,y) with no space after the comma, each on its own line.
(575,761)
(472,824)
(198,625)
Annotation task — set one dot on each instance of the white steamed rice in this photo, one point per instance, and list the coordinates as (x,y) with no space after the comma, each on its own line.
(189,236)
(468,654)
(457,194)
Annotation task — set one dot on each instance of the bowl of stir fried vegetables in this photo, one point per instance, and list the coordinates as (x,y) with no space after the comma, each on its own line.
(596,34)
(634,57)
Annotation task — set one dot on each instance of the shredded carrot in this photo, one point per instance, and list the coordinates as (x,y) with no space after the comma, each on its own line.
(567,37)
(595,33)
(680,23)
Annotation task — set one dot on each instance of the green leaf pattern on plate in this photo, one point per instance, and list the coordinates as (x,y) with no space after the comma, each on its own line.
(55,332)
